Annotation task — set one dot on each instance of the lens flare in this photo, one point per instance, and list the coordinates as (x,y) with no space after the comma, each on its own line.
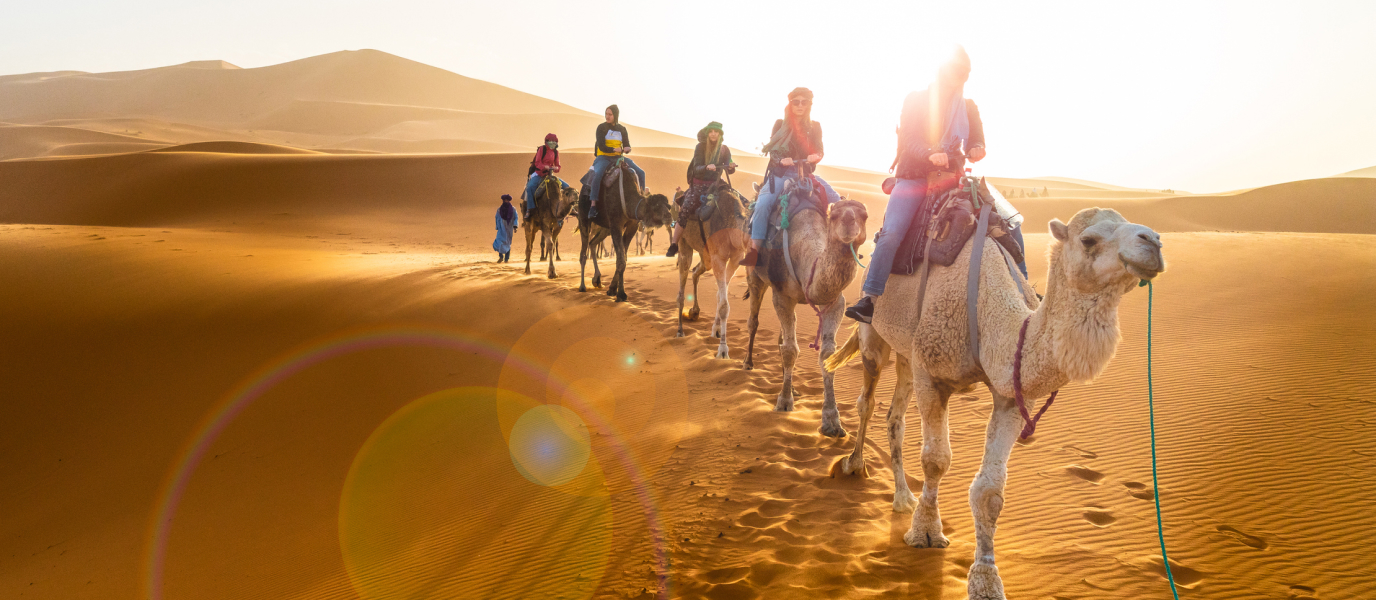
(550,445)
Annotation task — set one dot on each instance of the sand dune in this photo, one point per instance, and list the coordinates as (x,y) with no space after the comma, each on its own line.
(251,364)
(1367,172)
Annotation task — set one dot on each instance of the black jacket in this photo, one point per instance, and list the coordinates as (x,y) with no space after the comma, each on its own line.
(916,140)
(602,147)
(697,168)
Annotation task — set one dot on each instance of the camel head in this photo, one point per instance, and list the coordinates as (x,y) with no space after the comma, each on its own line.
(1100,249)
(656,212)
(568,200)
(846,222)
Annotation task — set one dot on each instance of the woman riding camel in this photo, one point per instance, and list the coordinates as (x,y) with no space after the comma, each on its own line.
(545,163)
(613,142)
(710,159)
(795,142)
(934,125)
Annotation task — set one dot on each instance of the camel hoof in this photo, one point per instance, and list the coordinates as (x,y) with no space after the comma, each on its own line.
(783,404)
(622,297)
(984,583)
(551,274)
(926,530)
(680,333)
(904,501)
(722,354)
(582,287)
(831,426)
(849,466)
(611,291)
(693,313)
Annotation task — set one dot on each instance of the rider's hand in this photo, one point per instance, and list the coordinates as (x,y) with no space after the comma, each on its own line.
(787,162)
(625,150)
(711,167)
(938,159)
(976,154)
(814,158)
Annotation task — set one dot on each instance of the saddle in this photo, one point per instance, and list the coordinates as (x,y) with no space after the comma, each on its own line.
(772,253)
(944,223)
(708,199)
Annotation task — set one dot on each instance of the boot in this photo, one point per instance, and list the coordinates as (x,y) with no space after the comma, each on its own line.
(751,257)
(592,211)
(673,250)
(862,311)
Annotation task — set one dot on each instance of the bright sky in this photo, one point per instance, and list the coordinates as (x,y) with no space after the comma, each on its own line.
(1201,96)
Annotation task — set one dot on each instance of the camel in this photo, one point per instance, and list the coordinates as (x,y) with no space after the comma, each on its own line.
(552,204)
(721,242)
(622,206)
(555,244)
(821,247)
(1070,336)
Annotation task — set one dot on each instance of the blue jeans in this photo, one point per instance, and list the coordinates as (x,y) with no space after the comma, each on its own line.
(599,168)
(906,198)
(533,183)
(765,203)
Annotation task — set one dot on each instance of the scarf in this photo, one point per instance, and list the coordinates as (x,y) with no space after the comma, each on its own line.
(956,126)
(791,133)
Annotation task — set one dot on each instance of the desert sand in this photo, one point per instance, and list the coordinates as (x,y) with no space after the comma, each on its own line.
(255,345)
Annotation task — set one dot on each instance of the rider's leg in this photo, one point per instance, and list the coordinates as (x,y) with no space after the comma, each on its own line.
(1017,235)
(906,198)
(832,196)
(639,172)
(531,183)
(904,202)
(599,168)
(759,222)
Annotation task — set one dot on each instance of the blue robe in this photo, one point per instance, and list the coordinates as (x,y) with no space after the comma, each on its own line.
(506,229)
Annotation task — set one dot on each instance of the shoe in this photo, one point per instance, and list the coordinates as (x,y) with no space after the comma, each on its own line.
(862,311)
(673,251)
(751,258)
(592,212)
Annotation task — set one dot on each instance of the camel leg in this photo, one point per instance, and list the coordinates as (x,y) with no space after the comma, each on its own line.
(755,291)
(724,268)
(874,353)
(547,247)
(831,321)
(530,241)
(621,245)
(932,403)
(903,498)
(697,275)
(785,308)
(684,260)
(583,257)
(986,497)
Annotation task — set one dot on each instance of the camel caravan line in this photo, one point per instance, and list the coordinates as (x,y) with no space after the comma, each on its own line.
(946,297)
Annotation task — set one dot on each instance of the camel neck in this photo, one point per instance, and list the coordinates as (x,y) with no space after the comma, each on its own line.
(835,270)
(1078,330)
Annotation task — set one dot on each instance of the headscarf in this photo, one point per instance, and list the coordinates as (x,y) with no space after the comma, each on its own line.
(506,197)
(795,128)
(616,114)
(711,152)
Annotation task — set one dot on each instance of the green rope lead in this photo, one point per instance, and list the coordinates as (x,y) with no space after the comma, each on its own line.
(856,256)
(1151,418)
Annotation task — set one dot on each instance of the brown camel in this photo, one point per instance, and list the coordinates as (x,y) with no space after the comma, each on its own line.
(821,249)
(622,206)
(552,204)
(1070,336)
(721,241)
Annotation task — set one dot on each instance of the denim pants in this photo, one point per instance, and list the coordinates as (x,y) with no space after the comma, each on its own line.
(534,182)
(906,198)
(599,168)
(765,203)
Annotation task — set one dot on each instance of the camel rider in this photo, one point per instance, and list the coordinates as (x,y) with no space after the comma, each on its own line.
(935,124)
(546,162)
(612,143)
(795,141)
(710,159)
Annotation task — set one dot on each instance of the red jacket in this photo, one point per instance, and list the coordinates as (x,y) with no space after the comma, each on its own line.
(546,159)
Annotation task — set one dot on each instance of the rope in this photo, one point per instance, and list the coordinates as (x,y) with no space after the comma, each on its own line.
(1151,418)
(856,256)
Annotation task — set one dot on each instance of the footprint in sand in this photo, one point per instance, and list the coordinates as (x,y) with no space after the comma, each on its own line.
(1099,517)
(1243,538)
(1082,452)
(1085,473)
(1303,592)
(1139,490)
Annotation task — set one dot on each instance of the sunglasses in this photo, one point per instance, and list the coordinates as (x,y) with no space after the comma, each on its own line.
(800,102)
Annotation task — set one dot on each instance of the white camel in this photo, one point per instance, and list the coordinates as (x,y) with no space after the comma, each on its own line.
(1071,336)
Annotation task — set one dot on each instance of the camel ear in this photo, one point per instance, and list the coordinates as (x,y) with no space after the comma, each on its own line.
(1059,230)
